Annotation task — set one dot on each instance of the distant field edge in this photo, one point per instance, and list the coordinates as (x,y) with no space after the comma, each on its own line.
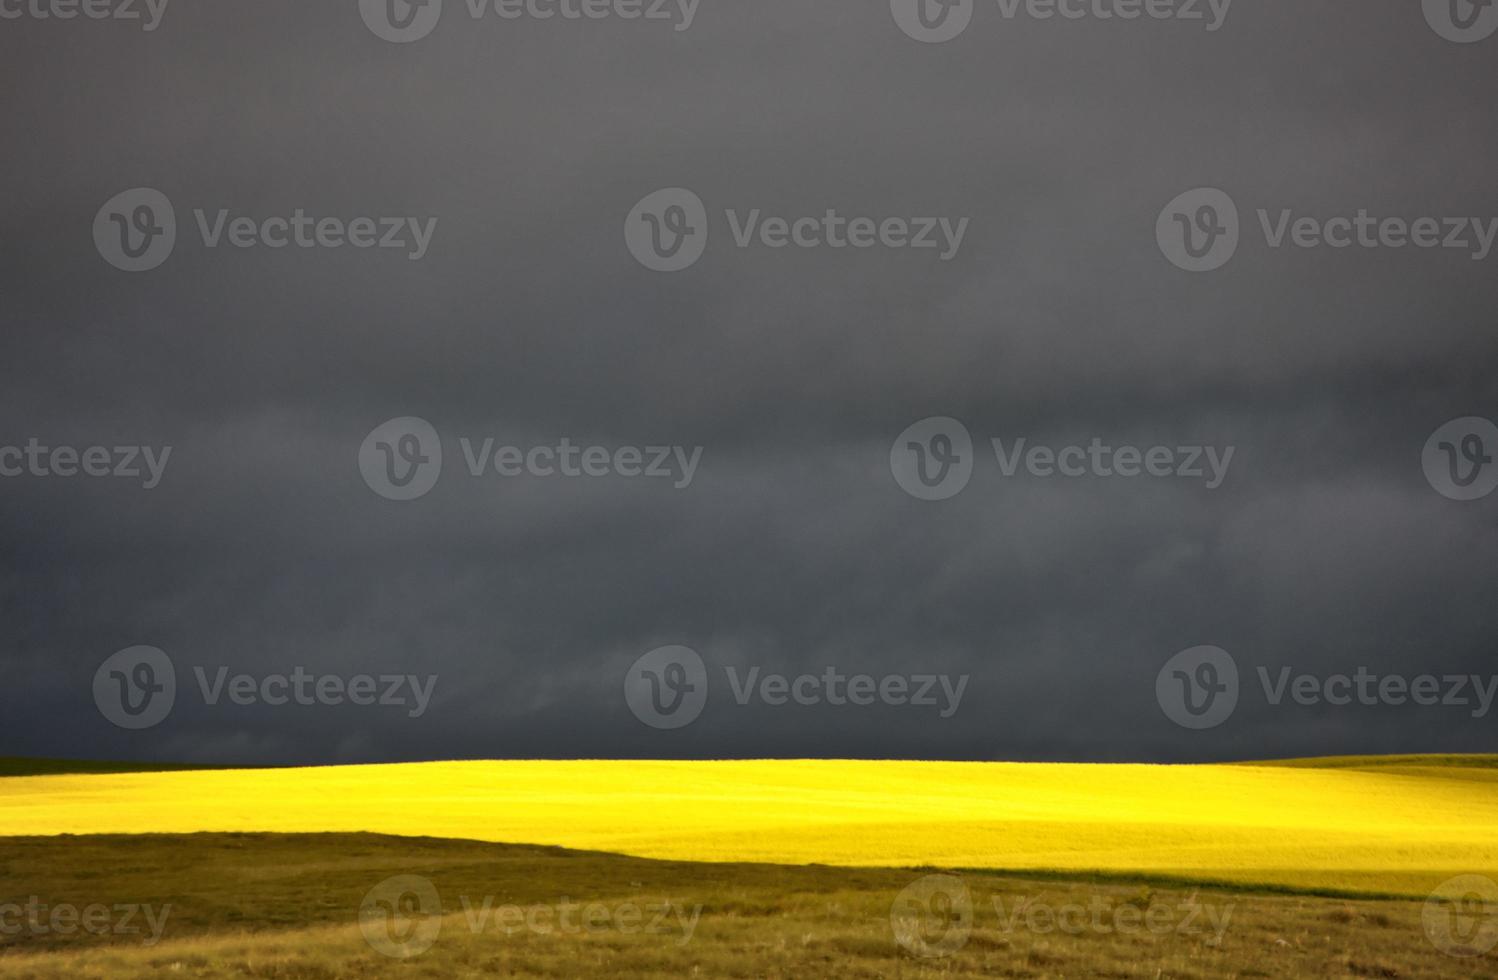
(28,766)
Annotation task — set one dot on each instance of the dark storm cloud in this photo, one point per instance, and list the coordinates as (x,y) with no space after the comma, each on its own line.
(793,549)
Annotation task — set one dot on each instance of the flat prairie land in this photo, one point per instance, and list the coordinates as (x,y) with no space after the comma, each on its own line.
(1349,867)
(1390,826)
(313,907)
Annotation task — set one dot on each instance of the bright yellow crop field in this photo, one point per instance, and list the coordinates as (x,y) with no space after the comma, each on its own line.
(1388,825)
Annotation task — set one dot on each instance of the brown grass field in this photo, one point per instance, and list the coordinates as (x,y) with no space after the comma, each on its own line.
(288,907)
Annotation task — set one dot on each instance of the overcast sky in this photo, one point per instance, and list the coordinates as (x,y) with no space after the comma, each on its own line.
(794,548)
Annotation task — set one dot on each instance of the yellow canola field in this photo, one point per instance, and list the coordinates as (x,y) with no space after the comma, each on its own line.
(1386,826)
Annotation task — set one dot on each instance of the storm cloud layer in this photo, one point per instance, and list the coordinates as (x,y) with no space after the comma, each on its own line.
(520,145)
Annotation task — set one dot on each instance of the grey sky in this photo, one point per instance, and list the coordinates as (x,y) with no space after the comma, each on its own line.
(528,320)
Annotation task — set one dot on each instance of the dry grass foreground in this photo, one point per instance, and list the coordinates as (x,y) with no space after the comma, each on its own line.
(324,907)
(1378,826)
